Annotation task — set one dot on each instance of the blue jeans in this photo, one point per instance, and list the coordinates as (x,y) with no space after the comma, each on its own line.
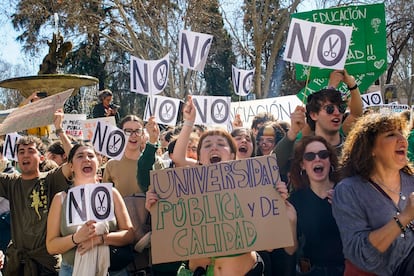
(67,270)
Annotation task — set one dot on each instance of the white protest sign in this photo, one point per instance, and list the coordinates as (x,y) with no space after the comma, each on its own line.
(194,48)
(72,124)
(212,110)
(9,148)
(89,202)
(280,107)
(149,77)
(242,80)
(316,44)
(371,99)
(36,114)
(109,140)
(88,126)
(164,109)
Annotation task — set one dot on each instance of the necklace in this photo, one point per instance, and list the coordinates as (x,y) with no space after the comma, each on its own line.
(399,193)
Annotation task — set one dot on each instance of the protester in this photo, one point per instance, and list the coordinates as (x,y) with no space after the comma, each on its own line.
(105,107)
(268,136)
(373,204)
(324,115)
(1,261)
(313,175)
(245,142)
(67,240)
(215,146)
(123,172)
(56,152)
(259,120)
(29,194)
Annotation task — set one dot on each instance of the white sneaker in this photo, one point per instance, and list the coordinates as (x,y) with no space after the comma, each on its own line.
(143,243)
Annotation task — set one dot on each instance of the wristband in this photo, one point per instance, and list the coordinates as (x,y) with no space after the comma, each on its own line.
(102,239)
(402,228)
(73,240)
(188,123)
(155,145)
(58,131)
(353,87)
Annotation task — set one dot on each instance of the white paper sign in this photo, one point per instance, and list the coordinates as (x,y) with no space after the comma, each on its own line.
(371,99)
(9,148)
(72,124)
(316,44)
(212,110)
(280,107)
(89,202)
(242,80)
(88,126)
(149,77)
(109,140)
(164,109)
(194,48)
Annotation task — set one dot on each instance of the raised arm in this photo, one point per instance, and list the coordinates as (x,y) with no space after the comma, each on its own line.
(354,103)
(66,142)
(180,149)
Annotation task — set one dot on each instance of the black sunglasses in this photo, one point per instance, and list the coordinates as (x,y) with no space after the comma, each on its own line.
(330,108)
(310,156)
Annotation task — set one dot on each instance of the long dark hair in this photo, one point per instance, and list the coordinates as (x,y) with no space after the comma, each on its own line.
(300,179)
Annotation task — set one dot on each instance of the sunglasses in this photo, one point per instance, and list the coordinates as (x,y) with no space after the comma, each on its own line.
(330,108)
(129,132)
(310,156)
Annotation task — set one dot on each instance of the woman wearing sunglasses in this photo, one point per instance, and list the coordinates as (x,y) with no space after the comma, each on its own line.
(374,203)
(313,176)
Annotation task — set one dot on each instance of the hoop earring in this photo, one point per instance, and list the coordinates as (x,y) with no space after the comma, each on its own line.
(302,172)
(332,168)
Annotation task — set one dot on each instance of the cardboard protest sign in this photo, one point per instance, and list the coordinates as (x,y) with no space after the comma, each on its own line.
(9,148)
(367,55)
(242,80)
(371,99)
(193,49)
(212,110)
(165,109)
(149,77)
(317,44)
(109,140)
(217,210)
(280,107)
(36,114)
(5,113)
(89,202)
(88,126)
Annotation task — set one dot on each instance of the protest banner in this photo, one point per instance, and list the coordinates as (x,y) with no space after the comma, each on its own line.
(89,202)
(367,55)
(193,49)
(212,110)
(217,210)
(165,109)
(242,80)
(89,125)
(9,148)
(109,140)
(316,44)
(5,113)
(280,107)
(36,114)
(149,77)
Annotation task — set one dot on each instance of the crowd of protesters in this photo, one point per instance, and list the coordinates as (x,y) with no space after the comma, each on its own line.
(348,189)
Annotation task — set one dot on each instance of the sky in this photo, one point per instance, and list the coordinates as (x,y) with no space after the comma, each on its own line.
(11,50)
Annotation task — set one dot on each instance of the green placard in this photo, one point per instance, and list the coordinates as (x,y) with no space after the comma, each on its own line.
(367,54)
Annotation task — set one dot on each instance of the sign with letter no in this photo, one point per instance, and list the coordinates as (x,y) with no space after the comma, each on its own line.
(366,59)
(109,140)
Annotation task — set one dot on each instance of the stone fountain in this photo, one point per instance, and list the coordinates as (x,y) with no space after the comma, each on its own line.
(50,78)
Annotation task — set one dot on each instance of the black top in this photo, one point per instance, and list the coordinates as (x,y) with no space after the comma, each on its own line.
(316,224)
